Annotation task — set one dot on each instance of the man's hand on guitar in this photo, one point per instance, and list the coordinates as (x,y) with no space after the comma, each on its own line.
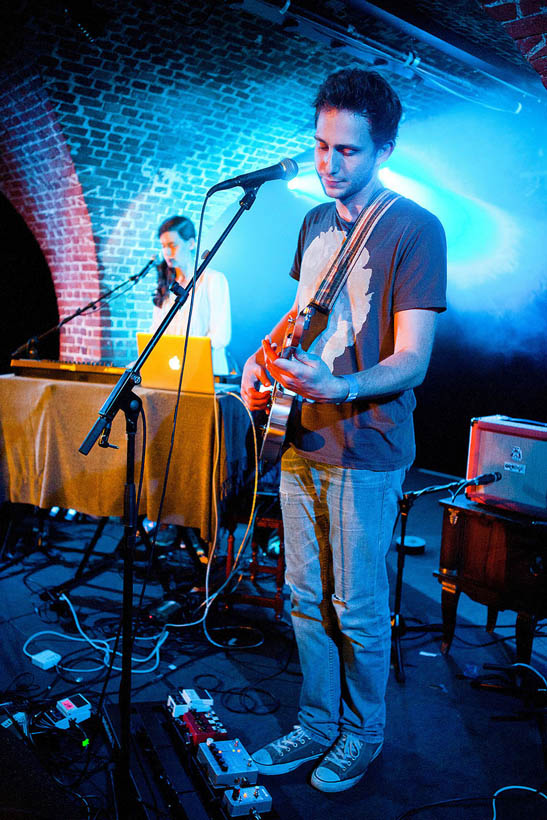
(305,374)
(254,375)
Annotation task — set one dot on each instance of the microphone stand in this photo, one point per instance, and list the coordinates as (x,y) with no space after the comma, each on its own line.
(122,398)
(31,346)
(398,625)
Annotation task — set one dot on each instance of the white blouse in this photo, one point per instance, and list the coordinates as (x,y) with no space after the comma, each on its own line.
(211,316)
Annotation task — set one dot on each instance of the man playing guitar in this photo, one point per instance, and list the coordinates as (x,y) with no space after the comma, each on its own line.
(350,439)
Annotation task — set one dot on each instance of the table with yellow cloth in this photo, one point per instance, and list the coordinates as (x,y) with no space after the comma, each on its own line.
(43,422)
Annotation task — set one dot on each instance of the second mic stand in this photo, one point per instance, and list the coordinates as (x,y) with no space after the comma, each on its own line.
(122,398)
(31,346)
(398,625)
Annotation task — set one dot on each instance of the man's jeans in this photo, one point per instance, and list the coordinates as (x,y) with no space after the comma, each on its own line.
(338,527)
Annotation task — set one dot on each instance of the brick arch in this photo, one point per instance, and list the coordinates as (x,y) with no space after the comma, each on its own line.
(526,22)
(38,177)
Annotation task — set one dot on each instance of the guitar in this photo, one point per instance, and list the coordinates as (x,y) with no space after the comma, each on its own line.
(282,399)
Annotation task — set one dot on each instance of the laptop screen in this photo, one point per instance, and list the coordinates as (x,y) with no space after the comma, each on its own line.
(162,367)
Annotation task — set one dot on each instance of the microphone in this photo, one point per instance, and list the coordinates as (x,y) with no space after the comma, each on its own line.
(286,169)
(485,478)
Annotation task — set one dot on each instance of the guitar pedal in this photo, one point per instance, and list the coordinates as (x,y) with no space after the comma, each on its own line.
(227,763)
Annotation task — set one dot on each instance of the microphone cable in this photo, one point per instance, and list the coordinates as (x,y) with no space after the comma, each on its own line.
(173,427)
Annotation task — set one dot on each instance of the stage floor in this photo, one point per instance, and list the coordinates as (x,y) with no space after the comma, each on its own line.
(446,740)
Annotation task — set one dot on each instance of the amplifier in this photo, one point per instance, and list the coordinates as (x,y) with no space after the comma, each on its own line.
(516,448)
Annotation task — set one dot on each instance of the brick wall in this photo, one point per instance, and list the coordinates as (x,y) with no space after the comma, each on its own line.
(39,177)
(110,135)
(114,125)
(526,22)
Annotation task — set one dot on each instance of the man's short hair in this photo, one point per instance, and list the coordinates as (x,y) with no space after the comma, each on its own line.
(181,224)
(365,93)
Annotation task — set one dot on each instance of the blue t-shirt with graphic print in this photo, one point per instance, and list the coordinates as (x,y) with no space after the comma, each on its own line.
(402,267)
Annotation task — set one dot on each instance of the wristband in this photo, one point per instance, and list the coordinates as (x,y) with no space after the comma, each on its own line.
(353,388)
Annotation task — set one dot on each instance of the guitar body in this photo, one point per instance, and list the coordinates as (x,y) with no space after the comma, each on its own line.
(275,429)
(282,399)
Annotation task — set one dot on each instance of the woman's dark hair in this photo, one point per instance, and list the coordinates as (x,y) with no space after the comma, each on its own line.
(166,277)
(181,224)
(185,229)
(365,93)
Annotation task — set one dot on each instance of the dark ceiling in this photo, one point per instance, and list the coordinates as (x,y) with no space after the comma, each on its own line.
(434,44)
(450,44)
(461,23)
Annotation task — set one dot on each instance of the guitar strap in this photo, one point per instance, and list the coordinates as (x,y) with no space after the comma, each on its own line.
(340,268)
(336,276)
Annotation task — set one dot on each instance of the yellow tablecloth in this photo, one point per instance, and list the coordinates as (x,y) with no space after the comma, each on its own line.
(43,422)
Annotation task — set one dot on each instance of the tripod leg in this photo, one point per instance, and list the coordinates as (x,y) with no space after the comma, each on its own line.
(491,619)
(90,547)
(524,632)
(197,550)
(81,575)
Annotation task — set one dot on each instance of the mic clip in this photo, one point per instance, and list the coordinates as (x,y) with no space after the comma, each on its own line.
(103,441)
(485,478)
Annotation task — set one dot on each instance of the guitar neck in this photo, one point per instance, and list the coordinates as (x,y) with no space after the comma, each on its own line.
(310,323)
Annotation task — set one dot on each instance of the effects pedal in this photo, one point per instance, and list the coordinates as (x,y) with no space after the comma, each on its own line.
(227,763)
(204,726)
(74,709)
(181,701)
(198,699)
(239,802)
(176,705)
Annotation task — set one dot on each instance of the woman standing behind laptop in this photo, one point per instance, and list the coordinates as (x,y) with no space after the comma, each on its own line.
(211,312)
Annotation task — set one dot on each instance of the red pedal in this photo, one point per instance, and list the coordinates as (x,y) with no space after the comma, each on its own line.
(204,725)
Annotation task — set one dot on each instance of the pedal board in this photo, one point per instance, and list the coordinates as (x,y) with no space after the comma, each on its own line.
(212,780)
(158,776)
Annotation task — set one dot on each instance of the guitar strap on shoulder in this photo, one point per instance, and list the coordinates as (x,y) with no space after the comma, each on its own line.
(336,276)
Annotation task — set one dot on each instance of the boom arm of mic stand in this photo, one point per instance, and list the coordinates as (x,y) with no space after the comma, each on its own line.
(90,306)
(409,498)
